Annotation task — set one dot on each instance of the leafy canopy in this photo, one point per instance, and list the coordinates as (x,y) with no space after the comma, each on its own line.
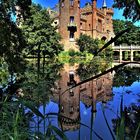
(90,45)
(131,38)
(11,40)
(40,34)
(86,43)
(131,8)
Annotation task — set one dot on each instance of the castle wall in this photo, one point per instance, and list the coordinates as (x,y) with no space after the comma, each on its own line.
(89,20)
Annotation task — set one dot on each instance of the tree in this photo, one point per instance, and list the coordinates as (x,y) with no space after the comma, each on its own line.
(90,45)
(10,34)
(131,8)
(86,43)
(40,35)
(131,38)
(102,60)
(11,40)
(125,76)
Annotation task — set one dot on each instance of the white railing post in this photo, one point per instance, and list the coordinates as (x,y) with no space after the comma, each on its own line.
(120,54)
(131,49)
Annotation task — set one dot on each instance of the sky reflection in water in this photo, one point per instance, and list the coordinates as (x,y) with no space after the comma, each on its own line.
(131,95)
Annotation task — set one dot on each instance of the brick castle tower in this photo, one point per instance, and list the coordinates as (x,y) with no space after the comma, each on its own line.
(69,19)
(90,20)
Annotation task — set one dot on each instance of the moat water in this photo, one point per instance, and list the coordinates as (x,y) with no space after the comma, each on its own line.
(94,110)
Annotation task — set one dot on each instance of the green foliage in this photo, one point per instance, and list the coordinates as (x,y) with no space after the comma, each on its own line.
(25,7)
(131,38)
(12,42)
(90,45)
(75,56)
(86,43)
(58,132)
(4,73)
(37,86)
(7,8)
(131,8)
(137,131)
(12,121)
(88,69)
(101,62)
(126,76)
(40,35)
(71,52)
(124,126)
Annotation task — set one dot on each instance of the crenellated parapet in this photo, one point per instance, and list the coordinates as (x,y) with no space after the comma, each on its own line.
(110,11)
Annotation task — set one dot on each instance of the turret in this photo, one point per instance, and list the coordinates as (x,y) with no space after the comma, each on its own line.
(94,2)
(104,4)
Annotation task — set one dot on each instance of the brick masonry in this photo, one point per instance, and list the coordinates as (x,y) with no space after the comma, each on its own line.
(90,20)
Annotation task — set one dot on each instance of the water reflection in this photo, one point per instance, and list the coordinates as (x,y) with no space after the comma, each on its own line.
(89,93)
(89,111)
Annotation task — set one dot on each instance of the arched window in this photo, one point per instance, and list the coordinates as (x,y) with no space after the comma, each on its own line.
(103,38)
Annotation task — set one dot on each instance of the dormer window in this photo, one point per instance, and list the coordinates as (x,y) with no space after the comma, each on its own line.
(71,2)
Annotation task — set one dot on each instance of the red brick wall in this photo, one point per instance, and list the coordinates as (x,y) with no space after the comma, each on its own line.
(97,24)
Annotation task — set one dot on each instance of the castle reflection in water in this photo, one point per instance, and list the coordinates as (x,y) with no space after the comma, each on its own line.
(89,93)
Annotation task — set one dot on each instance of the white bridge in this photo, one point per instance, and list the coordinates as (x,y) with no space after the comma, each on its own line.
(126,53)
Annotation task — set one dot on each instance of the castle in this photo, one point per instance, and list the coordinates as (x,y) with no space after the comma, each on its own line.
(72,21)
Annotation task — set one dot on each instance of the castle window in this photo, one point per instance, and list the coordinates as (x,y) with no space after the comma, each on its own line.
(107,20)
(71,109)
(55,22)
(103,38)
(108,31)
(89,26)
(71,2)
(71,19)
(81,26)
(71,36)
(99,28)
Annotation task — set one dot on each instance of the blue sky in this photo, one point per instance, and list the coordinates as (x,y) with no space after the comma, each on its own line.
(117,13)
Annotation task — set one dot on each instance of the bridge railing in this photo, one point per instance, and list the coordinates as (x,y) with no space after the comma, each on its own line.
(131,47)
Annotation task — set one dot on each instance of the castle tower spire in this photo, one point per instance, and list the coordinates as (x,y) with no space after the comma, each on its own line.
(104,4)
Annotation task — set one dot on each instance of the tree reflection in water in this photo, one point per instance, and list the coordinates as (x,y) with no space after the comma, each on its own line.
(130,114)
(90,94)
(125,76)
(79,110)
